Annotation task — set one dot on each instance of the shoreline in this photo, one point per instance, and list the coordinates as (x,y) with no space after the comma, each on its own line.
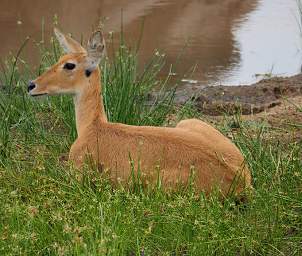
(275,102)
(248,99)
(255,98)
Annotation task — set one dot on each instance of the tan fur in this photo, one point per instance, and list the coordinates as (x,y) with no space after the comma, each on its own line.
(173,152)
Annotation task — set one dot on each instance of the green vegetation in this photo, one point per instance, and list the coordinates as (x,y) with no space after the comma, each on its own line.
(127,92)
(45,210)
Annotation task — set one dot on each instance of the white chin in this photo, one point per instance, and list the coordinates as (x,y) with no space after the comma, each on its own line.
(37,94)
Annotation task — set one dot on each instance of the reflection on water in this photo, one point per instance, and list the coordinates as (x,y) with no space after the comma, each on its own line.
(269,41)
(229,40)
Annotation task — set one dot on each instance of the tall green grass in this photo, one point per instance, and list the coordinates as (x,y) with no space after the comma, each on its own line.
(128,94)
(45,210)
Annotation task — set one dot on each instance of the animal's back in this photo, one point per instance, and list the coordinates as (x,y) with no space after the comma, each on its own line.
(174,151)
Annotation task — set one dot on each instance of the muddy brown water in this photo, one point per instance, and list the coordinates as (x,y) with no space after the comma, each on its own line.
(231,41)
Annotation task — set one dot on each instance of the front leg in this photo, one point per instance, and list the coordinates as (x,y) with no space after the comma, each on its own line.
(77,153)
(63,158)
(80,153)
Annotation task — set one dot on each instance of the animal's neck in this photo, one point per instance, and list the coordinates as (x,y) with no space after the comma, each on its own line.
(89,107)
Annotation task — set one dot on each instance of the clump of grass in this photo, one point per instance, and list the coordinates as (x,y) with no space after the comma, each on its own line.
(127,91)
(46,210)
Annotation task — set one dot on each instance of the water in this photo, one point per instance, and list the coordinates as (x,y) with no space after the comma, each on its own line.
(269,42)
(230,41)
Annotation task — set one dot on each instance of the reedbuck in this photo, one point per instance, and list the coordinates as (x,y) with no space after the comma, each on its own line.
(171,153)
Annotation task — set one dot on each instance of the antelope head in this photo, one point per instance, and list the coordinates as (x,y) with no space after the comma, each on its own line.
(69,75)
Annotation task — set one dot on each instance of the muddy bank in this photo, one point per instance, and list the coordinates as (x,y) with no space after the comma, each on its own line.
(275,103)
(247,99)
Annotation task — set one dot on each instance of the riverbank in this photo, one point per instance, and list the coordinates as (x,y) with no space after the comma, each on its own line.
(248,99)
(275,103)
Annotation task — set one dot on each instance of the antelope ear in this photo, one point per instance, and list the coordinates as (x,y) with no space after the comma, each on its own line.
(68,44)
(95,50)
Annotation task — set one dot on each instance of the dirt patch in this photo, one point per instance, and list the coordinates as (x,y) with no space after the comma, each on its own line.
(275,103)
(285,120)
(288,113)
(283,123)
(248,99)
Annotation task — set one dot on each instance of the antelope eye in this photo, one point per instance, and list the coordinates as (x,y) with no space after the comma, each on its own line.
(69,66)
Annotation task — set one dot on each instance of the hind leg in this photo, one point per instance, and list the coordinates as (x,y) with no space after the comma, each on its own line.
(202,128)
(192,125)
(196,126)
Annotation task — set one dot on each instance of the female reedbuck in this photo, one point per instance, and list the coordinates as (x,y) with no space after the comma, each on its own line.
(172,152)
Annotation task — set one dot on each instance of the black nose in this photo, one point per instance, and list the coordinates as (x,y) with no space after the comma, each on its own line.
(31,86)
